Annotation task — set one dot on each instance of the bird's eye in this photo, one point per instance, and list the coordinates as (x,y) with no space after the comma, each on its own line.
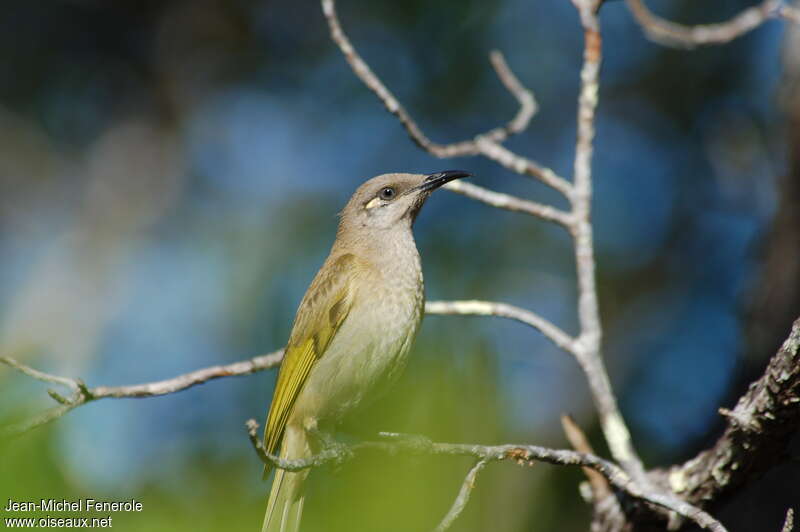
(387,193)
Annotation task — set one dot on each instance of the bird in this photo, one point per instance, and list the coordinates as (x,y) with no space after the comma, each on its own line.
(352,331)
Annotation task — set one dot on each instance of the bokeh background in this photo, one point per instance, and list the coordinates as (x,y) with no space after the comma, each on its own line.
(170,173)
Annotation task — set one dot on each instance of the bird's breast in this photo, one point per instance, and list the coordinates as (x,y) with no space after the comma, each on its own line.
(370,349)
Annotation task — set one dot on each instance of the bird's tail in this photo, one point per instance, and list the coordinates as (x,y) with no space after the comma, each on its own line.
(285,506)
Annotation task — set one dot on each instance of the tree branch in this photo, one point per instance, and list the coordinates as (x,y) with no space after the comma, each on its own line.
(788,524)
(792,14)
(677,35)
(579,442)
(588,352)
(525,98)
(522,165)
(504,310)
(463,496)
(756,437)
(81,394)
(521,454)
(484,144)
(511,203)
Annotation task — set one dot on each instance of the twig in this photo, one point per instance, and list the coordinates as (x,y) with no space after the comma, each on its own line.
(788,524)
(511,203)
(81,394)
(504,310)
(608,513)
(200,376)
(39,375)
(589,341)
(486,144)
(670,33)
(525,98)
(792,14)
(51,414)
(520,454)
(463,496)
(522,165)
(580,443)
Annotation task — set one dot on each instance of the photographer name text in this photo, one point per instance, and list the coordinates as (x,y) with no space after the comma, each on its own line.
(76,505)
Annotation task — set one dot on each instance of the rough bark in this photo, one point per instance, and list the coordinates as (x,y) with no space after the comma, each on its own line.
(758,432)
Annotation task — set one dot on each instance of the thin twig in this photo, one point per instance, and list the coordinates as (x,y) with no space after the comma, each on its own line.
(51,414)
(483,144)
(81,394)
(792,14)
(463,496)
(524,96)
(606,505)
(788,524)
(522,165)
(504,310)
(200,376)
(511,203)
(579,442)
(39,375)
(589,342)
(363,71)
(520,454)
(670,33)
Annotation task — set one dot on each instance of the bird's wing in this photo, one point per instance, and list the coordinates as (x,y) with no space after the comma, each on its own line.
(322,311)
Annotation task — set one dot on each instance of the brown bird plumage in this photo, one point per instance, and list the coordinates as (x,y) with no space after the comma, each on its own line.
(353,328)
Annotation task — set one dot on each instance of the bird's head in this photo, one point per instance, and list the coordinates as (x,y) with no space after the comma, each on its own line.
(391,200)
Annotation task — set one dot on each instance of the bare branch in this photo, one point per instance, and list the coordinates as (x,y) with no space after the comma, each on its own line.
(792,14)
(200,376)
(589,342)
(527,102)
(607,510)
(520,454)
(39,375)
(463,496)
(522,165)
(511,203)
(17,429)
(504,310)
(81,394)
(788,524)
(677,35)
(458,149)
(580,443)
(758,432)
(484,144)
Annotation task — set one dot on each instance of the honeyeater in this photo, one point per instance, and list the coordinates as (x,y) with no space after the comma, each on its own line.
(353,329)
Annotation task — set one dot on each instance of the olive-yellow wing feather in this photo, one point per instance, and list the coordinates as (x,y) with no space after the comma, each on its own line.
(322,311)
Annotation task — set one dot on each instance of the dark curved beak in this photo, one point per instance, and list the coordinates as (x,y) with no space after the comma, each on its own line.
(434,181)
